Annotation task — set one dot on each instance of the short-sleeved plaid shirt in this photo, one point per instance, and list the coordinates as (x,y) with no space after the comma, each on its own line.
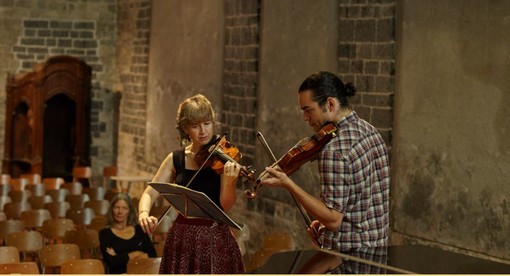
(355,180)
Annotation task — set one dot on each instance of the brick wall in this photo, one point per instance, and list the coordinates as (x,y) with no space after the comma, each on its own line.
(366,57)
(240,74)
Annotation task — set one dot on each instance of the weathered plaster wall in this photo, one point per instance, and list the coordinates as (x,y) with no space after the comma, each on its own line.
(186,54)
(451,148)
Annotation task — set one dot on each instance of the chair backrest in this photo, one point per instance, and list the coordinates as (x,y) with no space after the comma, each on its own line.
(108,172)
(58,195)
(18,184)
(100,207)
(55,229)
(20,268)
(5,178)
(159,234)
(37,202)
(13,209)
(144,266)
(10,226)
(95,193)
(9,254)
(34,219)
(98,223)
(5,189)
(26,242)
(77,201)
(83,175)
(53,183)
(36,189)
(33,178)
(53,255)
(82,266)
(58,209)
(86,239)
(81,217)
(19,196)
(74,188)
(4,199)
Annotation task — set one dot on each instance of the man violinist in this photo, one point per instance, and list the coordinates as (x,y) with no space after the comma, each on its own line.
(354,170)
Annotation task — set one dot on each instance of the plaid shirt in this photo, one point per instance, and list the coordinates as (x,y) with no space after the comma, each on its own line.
(355,180)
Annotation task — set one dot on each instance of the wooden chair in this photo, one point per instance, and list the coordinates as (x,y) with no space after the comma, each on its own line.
(98,223)
(86,239)
(37,202)
(74,188)
(9,254)
(33,178)
(81,217)
(54,230)
(19,196)
(58,209)
(77,201)
(36,189)
(108,172)
(58,195)
(159,248)
(5,178)
(4,199)
(5,189)
(82,266)
(20,268)
(53,255)
(95,193)
(83,175)
(10,226)
(18,184)
(100,207)
(274,242)
(159,234)
(27,242)
(144,266)
(13,209)
(53,183)
(34,219)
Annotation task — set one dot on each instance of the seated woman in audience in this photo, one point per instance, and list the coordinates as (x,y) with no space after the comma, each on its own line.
(123,239)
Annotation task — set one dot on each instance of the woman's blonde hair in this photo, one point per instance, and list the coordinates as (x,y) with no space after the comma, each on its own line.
(193,110)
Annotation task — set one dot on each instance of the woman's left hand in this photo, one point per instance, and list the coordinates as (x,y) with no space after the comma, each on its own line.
(231,169)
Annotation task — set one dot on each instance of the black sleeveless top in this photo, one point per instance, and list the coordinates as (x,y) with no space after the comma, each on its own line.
(207,181)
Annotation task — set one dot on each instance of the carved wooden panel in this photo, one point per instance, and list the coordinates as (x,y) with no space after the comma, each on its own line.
(48,119)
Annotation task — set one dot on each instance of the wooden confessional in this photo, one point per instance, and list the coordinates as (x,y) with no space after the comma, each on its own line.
(47,123)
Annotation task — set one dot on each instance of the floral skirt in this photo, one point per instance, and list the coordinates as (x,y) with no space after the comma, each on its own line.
(200,246)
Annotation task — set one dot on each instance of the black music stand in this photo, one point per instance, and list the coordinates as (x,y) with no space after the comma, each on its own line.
(192,204)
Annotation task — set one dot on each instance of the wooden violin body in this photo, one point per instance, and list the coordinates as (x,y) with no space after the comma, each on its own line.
(307,149)
(217,153)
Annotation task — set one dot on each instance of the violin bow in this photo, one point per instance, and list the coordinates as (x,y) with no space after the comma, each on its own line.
(305,215)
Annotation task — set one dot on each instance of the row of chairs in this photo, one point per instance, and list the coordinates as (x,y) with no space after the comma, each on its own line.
(56,243)
(79,174)
(62,258)
(66,259)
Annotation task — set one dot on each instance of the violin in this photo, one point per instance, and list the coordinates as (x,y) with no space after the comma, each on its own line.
(217,152)
(307,149)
